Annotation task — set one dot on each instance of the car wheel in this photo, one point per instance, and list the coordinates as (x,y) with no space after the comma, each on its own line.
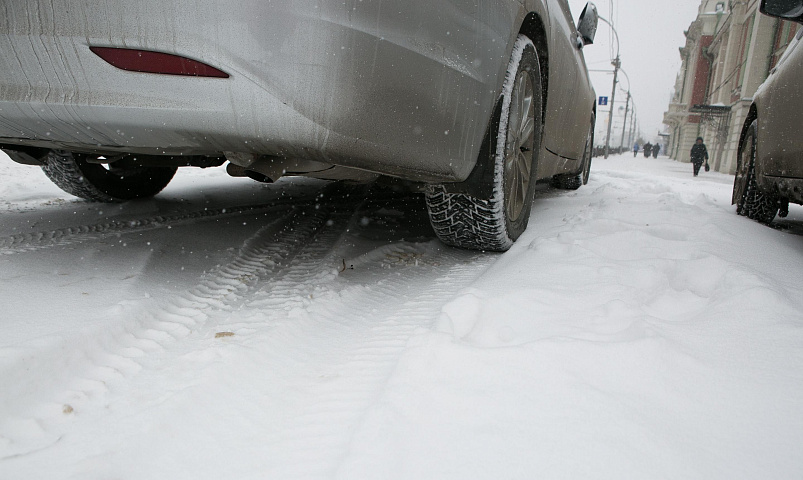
(494,222)
(750,200)
(589,152)
(95,182)
(575,181)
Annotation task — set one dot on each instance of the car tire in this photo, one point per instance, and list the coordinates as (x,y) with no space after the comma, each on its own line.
(750,200)
(494,221)
(588,155)
(94,182)
(575,181)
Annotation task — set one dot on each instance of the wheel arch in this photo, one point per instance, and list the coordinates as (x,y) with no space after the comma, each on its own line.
(478,183)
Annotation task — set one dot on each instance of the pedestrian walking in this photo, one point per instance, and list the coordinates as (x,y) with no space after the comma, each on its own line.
(635,150)
(656,149)
(647,150)
(699,154)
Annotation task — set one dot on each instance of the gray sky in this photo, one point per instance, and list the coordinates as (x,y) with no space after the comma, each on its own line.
(650,32)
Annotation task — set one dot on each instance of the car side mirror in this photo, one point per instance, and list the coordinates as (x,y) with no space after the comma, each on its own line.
(587,26)
(785,9)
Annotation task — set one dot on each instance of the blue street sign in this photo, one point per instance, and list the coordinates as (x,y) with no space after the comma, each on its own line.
(603,101)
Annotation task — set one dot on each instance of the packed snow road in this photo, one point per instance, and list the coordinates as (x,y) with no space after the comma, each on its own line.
(225,329)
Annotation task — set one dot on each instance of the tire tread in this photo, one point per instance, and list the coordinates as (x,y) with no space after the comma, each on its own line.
(465,221)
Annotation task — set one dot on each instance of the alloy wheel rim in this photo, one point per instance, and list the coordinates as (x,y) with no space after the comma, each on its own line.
(519,146)
(587,159)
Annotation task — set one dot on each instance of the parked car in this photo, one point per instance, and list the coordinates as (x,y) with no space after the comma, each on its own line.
(477,100)
(769,172)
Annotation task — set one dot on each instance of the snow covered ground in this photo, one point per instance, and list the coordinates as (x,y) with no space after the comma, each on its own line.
(226,329)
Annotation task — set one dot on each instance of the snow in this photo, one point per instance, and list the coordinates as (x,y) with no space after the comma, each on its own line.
(638,329)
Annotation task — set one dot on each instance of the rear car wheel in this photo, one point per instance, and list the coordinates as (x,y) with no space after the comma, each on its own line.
(95,182)
(494,222)
(750,200)
(575,181)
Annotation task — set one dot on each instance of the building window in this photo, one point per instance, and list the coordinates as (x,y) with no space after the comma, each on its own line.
(784,35)
(747,34)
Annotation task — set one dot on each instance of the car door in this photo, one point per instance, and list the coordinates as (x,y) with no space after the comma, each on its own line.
(780,139)
(569,99)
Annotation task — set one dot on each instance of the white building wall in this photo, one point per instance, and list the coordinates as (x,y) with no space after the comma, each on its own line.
(726,86)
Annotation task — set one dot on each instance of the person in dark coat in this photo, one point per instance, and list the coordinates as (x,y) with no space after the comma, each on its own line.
(699,154)
(656,149)
(647,150)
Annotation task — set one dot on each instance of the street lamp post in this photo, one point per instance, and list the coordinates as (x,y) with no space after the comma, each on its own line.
(616,65)
(628,107)
(624,124)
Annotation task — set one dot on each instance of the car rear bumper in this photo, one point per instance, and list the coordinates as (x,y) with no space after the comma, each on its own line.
(315,80)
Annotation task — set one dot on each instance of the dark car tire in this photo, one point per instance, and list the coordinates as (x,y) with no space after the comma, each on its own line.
(495,221)
(94,182)
(588,155)
(750,200)
(577,180)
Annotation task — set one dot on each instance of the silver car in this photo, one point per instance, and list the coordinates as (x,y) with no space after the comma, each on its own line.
(769,172)
(475,99)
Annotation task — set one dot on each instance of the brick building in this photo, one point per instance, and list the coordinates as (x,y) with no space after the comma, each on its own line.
(730,49)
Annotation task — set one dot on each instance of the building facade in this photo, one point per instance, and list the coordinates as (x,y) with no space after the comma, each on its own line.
(730,49)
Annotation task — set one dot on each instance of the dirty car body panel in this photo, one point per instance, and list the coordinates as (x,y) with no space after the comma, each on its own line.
(403,88)
(570,93)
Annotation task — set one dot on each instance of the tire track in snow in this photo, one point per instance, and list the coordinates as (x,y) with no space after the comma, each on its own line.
(357,329)
(33,241)
(326,427)
(122,349)
(359,333)
(27,242)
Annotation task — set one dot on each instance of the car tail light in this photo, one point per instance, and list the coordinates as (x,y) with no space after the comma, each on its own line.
(156,62)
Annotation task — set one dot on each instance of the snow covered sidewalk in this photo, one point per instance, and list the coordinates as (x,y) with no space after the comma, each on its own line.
(639,329)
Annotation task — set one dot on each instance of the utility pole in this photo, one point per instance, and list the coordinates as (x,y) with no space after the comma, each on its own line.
(632,128)
(624,125)
(616,64)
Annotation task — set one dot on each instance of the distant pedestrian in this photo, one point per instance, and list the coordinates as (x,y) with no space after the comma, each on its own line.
(647,150)
(635,150)
(699,154)
(656,149)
